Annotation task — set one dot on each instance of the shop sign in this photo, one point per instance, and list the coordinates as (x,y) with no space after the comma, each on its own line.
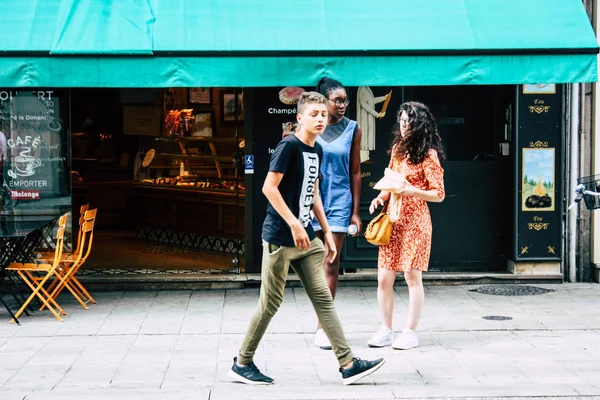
(25,194)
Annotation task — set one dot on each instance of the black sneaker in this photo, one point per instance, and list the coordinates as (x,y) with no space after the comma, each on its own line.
(360,369)
(249,374)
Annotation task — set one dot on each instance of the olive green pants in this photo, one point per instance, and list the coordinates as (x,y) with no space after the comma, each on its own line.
(308,265)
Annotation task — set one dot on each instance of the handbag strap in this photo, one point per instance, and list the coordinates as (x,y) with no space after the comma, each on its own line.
(385,206)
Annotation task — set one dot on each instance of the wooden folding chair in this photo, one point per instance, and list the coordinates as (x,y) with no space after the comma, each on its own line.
(30,274)
(65,273)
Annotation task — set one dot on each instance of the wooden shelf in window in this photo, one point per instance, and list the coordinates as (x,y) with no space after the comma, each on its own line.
(199,157)
(201,139)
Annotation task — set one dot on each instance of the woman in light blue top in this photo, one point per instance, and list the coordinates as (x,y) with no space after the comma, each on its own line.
(340,185)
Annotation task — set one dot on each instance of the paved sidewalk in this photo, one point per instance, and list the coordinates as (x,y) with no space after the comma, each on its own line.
(180,345)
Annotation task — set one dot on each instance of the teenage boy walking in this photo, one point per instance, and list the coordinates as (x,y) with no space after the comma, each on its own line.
(291,187)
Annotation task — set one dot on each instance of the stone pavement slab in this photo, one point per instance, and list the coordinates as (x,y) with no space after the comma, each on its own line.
(180,345)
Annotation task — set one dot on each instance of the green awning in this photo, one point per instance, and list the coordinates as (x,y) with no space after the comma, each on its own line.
(227,43)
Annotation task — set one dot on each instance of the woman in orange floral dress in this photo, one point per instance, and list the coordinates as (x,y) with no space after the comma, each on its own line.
(416,153)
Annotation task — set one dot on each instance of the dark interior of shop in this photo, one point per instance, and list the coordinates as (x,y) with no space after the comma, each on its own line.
(159,166)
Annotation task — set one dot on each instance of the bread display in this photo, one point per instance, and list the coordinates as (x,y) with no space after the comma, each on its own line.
(191,182)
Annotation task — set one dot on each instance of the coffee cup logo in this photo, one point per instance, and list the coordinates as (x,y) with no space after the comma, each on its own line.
(25,165)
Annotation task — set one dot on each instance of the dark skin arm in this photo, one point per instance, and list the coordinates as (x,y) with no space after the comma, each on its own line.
(355,180)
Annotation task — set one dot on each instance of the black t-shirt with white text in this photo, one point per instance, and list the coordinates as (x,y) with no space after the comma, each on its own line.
(300,165)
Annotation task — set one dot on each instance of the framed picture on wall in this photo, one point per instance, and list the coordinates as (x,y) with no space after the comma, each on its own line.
(539,181)
(228,106)
(203,124)
(200,95)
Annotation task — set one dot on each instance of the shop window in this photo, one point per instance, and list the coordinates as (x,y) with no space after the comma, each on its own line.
(34,152)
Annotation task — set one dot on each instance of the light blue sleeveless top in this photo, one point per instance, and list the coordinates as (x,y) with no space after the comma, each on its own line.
(335,189)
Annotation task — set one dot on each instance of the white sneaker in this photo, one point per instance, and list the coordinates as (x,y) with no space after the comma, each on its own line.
(321,340)
(406,340)
(383,337)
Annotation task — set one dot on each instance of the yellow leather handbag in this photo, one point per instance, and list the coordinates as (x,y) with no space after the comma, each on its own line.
(379,230)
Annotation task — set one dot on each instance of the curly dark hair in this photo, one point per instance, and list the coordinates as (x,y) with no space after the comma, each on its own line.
(423,134)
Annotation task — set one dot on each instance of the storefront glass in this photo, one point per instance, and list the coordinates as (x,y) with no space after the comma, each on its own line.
(34,152)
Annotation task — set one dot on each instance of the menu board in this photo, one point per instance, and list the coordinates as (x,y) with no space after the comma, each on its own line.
(35,175)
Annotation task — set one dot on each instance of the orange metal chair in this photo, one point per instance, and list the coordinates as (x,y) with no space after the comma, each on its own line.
(45,256)
(36,282)
(70,264)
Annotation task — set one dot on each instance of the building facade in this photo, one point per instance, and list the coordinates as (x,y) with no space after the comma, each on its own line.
(501,79)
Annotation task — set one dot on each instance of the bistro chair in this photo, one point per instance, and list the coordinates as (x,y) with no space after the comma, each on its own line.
(31,275)
(69,265)
(45,256)
(66,257)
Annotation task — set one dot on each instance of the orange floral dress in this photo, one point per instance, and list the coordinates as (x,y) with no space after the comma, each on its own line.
(410,244)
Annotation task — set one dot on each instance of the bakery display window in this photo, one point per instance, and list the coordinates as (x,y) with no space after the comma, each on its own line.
(191,163)
(169,176)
